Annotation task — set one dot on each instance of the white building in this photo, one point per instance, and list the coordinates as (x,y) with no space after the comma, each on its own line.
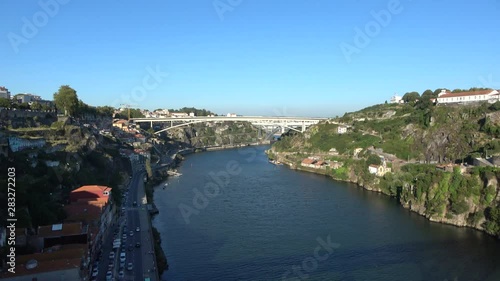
(26,98)
(341,129)
(466,97)
(231,115)
(396,99)
(4,93)
(179,115)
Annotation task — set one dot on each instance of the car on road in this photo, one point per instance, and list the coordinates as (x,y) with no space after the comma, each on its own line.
(135,203)
(137,229)
(138,244)
(111,255)
(95,272)
(131,233)
(123,257)
(109,275)
(130,266)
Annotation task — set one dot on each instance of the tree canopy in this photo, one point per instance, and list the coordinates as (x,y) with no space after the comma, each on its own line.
(66,99)
(411,96)
(5,103)
(196,111)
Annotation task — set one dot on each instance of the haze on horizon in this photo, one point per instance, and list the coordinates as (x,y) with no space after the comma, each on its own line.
(304,58)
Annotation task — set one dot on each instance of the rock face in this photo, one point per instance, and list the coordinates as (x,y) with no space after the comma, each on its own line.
(214,134)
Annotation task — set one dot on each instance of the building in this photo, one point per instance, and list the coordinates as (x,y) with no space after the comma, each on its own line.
(333,151)
(191,114)
(341,129)
(4,93)
(26,98)
(60,234)
(308,162)
(17,144)
(379,170)
(121,124)
(179,115)
(396,99)
(91,205)
(466,97)
(58,263)
(231,115)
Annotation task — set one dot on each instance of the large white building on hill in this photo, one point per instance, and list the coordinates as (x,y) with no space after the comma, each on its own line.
(466,97)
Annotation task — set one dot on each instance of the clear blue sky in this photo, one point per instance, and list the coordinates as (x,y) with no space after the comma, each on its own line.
(261,57)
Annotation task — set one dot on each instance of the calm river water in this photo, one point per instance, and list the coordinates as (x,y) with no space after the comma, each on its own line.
(266,222)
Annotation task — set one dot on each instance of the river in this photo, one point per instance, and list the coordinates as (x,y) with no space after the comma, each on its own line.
(234,216)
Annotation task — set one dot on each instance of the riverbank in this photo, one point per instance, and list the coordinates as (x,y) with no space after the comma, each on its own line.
(459,220)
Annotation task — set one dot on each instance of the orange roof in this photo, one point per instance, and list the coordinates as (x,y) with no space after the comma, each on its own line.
(67,229)
(308,161)
(463,94)
(374,166)
(320,162)
(92,192)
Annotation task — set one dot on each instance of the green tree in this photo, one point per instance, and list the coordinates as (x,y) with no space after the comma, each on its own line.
(24,105)
(411,96)
(67,100)
(5,103)
(495,106)
(428,94)
(373,160)
(36,106)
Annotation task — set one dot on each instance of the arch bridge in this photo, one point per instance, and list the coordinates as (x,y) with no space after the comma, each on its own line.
(299,124)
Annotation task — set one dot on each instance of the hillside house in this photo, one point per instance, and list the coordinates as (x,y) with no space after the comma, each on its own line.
(341,129)
(333,151)
(379,170)
(308,162)
(446,97)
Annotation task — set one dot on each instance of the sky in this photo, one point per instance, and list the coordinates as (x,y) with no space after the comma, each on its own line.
(318,58)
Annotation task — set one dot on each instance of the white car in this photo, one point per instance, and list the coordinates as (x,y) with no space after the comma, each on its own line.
(95,272)
(122,257)
(111,255)
(109,275)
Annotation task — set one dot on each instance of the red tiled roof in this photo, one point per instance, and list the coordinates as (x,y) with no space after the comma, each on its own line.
(464,94)
(308,161)
(92,192)
(320,162)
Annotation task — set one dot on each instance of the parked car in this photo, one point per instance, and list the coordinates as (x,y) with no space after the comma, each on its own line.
(130,266)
